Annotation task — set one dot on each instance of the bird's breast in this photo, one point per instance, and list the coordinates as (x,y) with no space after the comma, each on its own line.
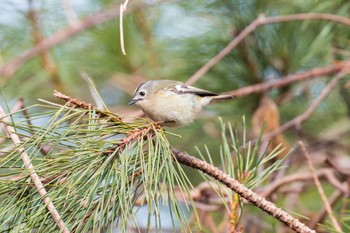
(169,106)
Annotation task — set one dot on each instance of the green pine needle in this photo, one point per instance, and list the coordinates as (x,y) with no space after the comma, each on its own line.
(95,171)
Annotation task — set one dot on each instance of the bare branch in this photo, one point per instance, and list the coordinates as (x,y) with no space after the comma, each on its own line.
(297,121)
(320,189)
(45,59)
(84,105)
(289,79)
(337,167)
(243,191)
(262,20)
(321,215)
(76,102)
(326,173)
(34,176)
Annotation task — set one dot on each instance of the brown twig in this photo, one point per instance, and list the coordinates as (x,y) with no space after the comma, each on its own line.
(289,79)
(134,134)
(297,121)
(76,102)
(45,60)
(322,214)
(85,105)
(327,173)
(44,150)
(262,20)
(34,176)
(320,189)
(337,167)
(240,189)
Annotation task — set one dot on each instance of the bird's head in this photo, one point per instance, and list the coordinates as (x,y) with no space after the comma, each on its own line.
(146,90)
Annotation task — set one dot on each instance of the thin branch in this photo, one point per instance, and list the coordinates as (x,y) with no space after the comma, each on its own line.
(84,105)
(320,189)
(34,176)
(135,134)
(76,102)
(322,214)
(297,121)
(262,20)
(344,172)
(43,149)
(289,79)
(243,191)
(303,177)
(45,59)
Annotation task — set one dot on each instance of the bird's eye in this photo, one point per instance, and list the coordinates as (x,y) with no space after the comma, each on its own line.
(142,93)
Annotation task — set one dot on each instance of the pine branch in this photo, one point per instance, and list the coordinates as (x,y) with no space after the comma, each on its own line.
(84,105)
(34,176)
(216,173)
(243,191)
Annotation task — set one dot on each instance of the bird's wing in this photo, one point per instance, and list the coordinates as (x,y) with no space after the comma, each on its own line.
(183,89)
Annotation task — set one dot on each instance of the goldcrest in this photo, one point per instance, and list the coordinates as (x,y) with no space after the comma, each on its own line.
(172,103)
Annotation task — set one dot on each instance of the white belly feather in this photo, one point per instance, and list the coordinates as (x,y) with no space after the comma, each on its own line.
(173,107)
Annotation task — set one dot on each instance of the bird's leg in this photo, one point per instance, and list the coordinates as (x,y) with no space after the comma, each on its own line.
(158,124)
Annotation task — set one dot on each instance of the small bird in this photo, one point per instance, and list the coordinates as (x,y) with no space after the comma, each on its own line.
(172,103)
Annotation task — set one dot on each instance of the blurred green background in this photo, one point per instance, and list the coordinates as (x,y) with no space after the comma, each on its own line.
(172,40)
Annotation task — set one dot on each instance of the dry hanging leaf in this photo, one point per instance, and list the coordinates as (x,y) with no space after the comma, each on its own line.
(268,112)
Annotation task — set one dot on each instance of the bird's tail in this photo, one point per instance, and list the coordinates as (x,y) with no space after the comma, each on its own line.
(222,97)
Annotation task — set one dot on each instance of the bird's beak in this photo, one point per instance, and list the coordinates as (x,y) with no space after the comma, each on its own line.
(132,101)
